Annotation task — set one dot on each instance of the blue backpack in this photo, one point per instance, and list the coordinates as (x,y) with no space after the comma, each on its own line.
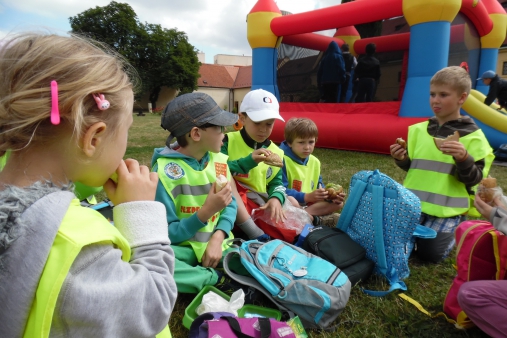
(383,216)
(294,280)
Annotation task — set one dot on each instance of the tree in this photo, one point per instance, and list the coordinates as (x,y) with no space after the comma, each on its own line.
(162,57)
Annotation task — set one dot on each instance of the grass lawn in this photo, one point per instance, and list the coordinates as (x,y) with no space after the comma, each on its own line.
(364,316)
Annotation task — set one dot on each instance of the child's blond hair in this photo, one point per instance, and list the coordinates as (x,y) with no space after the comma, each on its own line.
(28,64)
(300,127)
(455,77)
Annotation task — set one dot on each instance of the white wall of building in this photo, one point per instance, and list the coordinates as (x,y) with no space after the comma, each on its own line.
(233,60)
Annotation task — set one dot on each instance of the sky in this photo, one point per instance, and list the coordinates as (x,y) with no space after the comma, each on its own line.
(212,26)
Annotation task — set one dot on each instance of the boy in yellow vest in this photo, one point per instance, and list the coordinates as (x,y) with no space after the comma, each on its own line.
(443,177)
(199,218)
(301,171)
(258,184)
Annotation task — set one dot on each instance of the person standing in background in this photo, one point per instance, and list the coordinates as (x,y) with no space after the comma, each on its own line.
(367,74)
(350,63)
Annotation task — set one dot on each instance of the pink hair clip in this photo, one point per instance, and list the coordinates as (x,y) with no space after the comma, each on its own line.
(55,113)
(102,103)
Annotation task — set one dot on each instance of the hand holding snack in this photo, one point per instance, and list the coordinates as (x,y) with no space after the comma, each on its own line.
(401,142)
(440,141)
(260,154)
(317,195)
(333,190)
(487,189)
(220,183)
(274,160)
(398,150)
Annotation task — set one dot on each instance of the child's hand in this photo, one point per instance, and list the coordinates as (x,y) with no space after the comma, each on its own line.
(215,202)
(398,152)
(259,155)
(317,195)
(455,149)
(274,209)
(485,209)
(339,199)
(213,253)
(135,183)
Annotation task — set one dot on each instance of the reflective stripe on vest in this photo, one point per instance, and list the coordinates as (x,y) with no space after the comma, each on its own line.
(432,176)
(259,177)
(188,189)
(80,227)
(302,178)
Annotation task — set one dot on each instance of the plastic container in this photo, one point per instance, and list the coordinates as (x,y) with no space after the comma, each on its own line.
(258,311)
(190,314)
(245,311)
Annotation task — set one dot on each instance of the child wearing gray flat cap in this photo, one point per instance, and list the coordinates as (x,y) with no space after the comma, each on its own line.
(200,219)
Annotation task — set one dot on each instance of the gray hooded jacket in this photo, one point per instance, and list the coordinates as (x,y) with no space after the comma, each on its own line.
(102,296)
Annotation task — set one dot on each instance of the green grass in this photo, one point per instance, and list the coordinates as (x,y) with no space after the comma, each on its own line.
(364,316)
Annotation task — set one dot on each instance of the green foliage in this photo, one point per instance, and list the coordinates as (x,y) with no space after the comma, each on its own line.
(162,57)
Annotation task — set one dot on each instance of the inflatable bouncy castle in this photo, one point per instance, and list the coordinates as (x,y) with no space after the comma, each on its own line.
(372,127)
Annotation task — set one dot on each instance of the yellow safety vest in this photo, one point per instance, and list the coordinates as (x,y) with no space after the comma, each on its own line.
(432,176)
(257,178)
(188,189)
(80,227)
(3,160)
(302,178)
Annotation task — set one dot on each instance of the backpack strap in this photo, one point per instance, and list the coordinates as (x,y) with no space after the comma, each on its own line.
(264,323)
(349,209)
(378,209)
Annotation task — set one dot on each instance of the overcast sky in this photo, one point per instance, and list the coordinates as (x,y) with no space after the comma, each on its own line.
(212,26)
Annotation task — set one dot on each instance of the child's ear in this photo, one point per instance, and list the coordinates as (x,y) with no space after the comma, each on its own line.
(93,138)
(242,117)
(195,134)
(463,98)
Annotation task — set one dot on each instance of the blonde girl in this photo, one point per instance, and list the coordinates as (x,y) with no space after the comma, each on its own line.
(65,110)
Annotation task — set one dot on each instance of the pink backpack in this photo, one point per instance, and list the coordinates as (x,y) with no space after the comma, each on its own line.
(481,255)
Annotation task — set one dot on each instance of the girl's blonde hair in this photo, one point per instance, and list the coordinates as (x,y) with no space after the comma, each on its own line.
(81,67)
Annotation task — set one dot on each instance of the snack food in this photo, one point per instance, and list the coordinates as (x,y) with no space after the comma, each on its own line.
(401,142)
(220,183)
(486,189)
(333,190)
(274,160)
(440,141)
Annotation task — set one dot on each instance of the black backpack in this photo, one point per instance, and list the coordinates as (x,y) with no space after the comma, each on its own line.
(501,153)
(337,247)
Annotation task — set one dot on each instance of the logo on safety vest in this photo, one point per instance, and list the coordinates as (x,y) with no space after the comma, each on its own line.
(269,172)
(296,185)
(221,169)
(174,171)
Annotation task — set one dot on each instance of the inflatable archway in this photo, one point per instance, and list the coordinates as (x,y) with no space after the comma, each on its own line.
(372,127)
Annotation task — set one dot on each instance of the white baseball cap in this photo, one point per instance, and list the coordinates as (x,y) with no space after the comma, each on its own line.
(260,105)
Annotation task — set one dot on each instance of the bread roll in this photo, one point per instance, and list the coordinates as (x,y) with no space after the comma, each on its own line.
(333,190)
(274,160)
(220,183)
(440,141)
(486,189)
(401,142)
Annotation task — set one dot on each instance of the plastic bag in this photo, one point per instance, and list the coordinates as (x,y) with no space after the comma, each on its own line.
(212,302)
(296,220)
